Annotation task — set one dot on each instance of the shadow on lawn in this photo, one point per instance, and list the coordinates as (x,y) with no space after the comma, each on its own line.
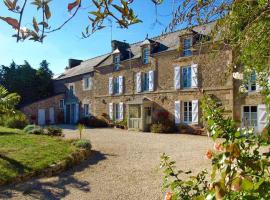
(54,188)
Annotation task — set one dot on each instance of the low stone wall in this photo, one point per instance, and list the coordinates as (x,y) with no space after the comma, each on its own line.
(75,158)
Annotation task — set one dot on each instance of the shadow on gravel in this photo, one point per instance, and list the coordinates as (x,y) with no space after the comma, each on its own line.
(55,188)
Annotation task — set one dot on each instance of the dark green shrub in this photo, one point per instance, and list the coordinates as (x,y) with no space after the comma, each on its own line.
(37,131)
(94,122)
(54,131)
(17,120)
(83,144)
(164,127)
(29,128)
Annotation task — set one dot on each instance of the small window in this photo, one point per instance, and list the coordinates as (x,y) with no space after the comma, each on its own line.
(187,47)
(146,53)
(250,117)
(87,83)
(71,89)
(61,103)
(116,62)
(186,77)
(251,85)
(188,112)
(117,111)
(145,82)
(116,85)
(86,110)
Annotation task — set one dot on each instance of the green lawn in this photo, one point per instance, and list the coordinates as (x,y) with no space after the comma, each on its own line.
(24,153)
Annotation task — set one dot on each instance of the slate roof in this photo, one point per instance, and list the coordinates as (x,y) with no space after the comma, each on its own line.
(163,43)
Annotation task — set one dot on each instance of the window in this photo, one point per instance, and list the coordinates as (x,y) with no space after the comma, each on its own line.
(251,85)
(116,85)
(117,111)
(61,103)
(87,83)
(250,116)
(145,82)
(116,62)
(188,112)
(86,110)
(146,52)
(187,47)
(187,77)
(71,89)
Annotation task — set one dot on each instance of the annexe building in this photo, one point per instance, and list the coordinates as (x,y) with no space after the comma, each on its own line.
(139,82)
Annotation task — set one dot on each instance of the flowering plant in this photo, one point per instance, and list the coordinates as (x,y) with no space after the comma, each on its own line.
(240,163)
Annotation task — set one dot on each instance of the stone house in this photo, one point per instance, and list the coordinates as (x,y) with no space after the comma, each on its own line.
(165,75)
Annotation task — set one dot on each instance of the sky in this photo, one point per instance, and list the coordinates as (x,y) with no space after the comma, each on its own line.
(59,46)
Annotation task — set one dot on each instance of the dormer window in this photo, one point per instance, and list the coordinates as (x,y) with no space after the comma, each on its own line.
(116,62)
(187,47)
(146,53)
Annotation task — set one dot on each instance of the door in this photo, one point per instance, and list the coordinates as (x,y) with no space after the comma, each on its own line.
(72,114)
(68,114)
(51,115)
(135,118)
(41,117)
(147,118)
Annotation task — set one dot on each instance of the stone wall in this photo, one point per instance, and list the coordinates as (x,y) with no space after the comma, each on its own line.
(31,110)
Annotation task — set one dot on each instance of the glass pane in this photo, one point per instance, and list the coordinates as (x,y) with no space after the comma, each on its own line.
(135,111)
(253,108)
(246,108)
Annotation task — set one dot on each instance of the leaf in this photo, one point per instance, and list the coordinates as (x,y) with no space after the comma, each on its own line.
(71,6)
(35,24)
(47,11)
(45,24)
(11,21)
(247,184)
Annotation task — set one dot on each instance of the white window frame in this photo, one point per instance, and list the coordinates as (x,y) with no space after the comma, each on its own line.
(116,112)
(251,83)
(146,56)
(186,50)
(86,113)
(189,112)
(60,102)
(116,62)
(249,119)
(190,80)
(89,78)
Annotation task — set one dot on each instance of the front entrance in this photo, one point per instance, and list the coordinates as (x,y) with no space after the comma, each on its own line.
(51,115)
(140,113)
(72,113)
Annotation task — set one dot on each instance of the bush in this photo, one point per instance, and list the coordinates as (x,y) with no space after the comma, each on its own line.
(122,123)
(37,130)
(29,128)
(94,122)
(18,121)
(54,131)
(164,127)
(83,144)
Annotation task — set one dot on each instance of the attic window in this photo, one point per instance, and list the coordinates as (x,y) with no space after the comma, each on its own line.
(146,53)
(187,47)
(116,62)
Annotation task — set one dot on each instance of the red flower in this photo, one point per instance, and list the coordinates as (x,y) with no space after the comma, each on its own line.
(209,154)
(218,146)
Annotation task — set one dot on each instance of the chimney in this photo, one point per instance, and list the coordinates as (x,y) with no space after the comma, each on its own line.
(119,45)
(73,63)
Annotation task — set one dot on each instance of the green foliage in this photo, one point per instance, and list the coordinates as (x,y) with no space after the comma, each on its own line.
(94,122)
(37,130)
(17,120)
(80,127)
(29,83)
(8,101)
(122,123)
(29,128)
(54,131)
(84,144)
(163,127)
(240,169)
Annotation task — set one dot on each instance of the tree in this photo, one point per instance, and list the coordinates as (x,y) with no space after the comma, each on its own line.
(8,101)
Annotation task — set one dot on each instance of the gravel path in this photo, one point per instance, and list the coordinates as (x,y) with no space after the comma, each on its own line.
(123,165)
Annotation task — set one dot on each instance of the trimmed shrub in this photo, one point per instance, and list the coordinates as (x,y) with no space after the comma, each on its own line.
(94,122)
(36,130)
(54,131)
(165,127)
(83,144)
(18,121)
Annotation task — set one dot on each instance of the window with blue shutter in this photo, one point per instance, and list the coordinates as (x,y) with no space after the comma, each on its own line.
(116,62)
(187,47)
(186,77)
(146,82)
(116,85)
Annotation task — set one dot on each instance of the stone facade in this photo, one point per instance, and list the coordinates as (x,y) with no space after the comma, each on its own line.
(166,54)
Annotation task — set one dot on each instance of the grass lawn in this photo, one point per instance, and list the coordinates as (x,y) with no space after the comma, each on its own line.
(24,153)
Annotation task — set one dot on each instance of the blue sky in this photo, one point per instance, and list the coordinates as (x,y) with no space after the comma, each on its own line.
(59,46)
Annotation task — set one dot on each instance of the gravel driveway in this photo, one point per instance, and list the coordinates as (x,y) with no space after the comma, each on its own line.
(123,165)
